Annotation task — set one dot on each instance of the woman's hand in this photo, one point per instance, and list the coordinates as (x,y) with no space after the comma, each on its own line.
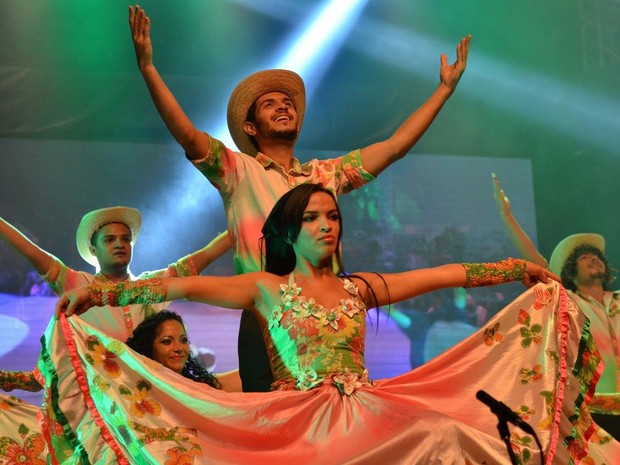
(73,301)
(535,274)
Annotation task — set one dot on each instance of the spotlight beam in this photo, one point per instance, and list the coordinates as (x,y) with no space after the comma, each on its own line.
(567,109)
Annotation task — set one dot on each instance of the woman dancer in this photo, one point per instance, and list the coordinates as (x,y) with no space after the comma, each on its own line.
(534,355)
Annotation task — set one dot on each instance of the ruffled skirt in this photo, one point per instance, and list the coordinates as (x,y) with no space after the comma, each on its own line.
(105,404)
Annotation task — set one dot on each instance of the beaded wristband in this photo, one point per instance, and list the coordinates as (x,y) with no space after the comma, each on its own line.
(144,291)
(491,274)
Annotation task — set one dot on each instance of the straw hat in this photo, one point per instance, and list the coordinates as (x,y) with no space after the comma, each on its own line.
(95,220)
(251,88)
(570,243)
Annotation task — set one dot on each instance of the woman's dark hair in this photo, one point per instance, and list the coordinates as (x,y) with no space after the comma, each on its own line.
(142,342)
(569,270)
(282,228)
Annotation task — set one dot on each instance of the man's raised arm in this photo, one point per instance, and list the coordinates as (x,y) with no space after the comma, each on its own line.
(378,156)
(194,142)
(38,258)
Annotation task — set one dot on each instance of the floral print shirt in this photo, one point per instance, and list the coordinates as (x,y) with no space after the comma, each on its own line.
(605,327)
(118,325)
(250,187)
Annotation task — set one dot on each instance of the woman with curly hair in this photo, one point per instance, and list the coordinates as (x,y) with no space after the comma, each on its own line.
(163,338)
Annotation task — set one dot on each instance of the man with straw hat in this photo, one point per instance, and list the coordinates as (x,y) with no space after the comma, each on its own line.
(580,261)
(265,115)
(105,239)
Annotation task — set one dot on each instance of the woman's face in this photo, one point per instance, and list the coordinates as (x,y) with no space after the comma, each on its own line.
(171,346)
(320,228)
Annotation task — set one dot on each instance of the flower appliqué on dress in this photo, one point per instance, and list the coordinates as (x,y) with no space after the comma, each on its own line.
(104,356)
(522,447)
(9,403)
(141,402)
(527,375)
(29,452)
(290,295)
(331,317)
(180,456)
(529,332)
(492,334)
(351,307)
(543,295)
(348,382)
(307,378)
(350,287)
(275,317)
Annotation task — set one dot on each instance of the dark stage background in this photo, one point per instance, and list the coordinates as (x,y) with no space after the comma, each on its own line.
(538,104)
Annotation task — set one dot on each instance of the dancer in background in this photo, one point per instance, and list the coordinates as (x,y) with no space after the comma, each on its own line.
(580,261)
(105,240)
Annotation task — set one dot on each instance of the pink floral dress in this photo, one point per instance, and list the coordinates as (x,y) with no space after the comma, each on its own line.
(295,325)
(536,356)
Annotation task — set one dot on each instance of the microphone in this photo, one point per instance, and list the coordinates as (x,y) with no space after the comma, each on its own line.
(504,412)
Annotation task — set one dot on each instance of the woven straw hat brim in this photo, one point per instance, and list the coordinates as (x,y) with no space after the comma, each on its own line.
(251,88)
(570,243)
(94,220)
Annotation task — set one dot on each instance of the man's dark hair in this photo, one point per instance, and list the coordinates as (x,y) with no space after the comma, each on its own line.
(569,270)
(251,118)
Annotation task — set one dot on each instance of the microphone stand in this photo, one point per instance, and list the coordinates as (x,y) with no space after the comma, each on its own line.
(504,433)
(505,415)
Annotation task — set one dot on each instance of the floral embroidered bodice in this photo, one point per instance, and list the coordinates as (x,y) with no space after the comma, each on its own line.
(309,344)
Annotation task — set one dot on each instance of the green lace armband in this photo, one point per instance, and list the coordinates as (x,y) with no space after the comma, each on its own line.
(143,291)
(24,380)
(491,274)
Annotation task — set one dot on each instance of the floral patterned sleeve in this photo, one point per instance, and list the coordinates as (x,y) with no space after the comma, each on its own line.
(606,403)
(491,274)
(24,380)
(351,173)
(181,268)
(61,278)
(218,166)
(145,291)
